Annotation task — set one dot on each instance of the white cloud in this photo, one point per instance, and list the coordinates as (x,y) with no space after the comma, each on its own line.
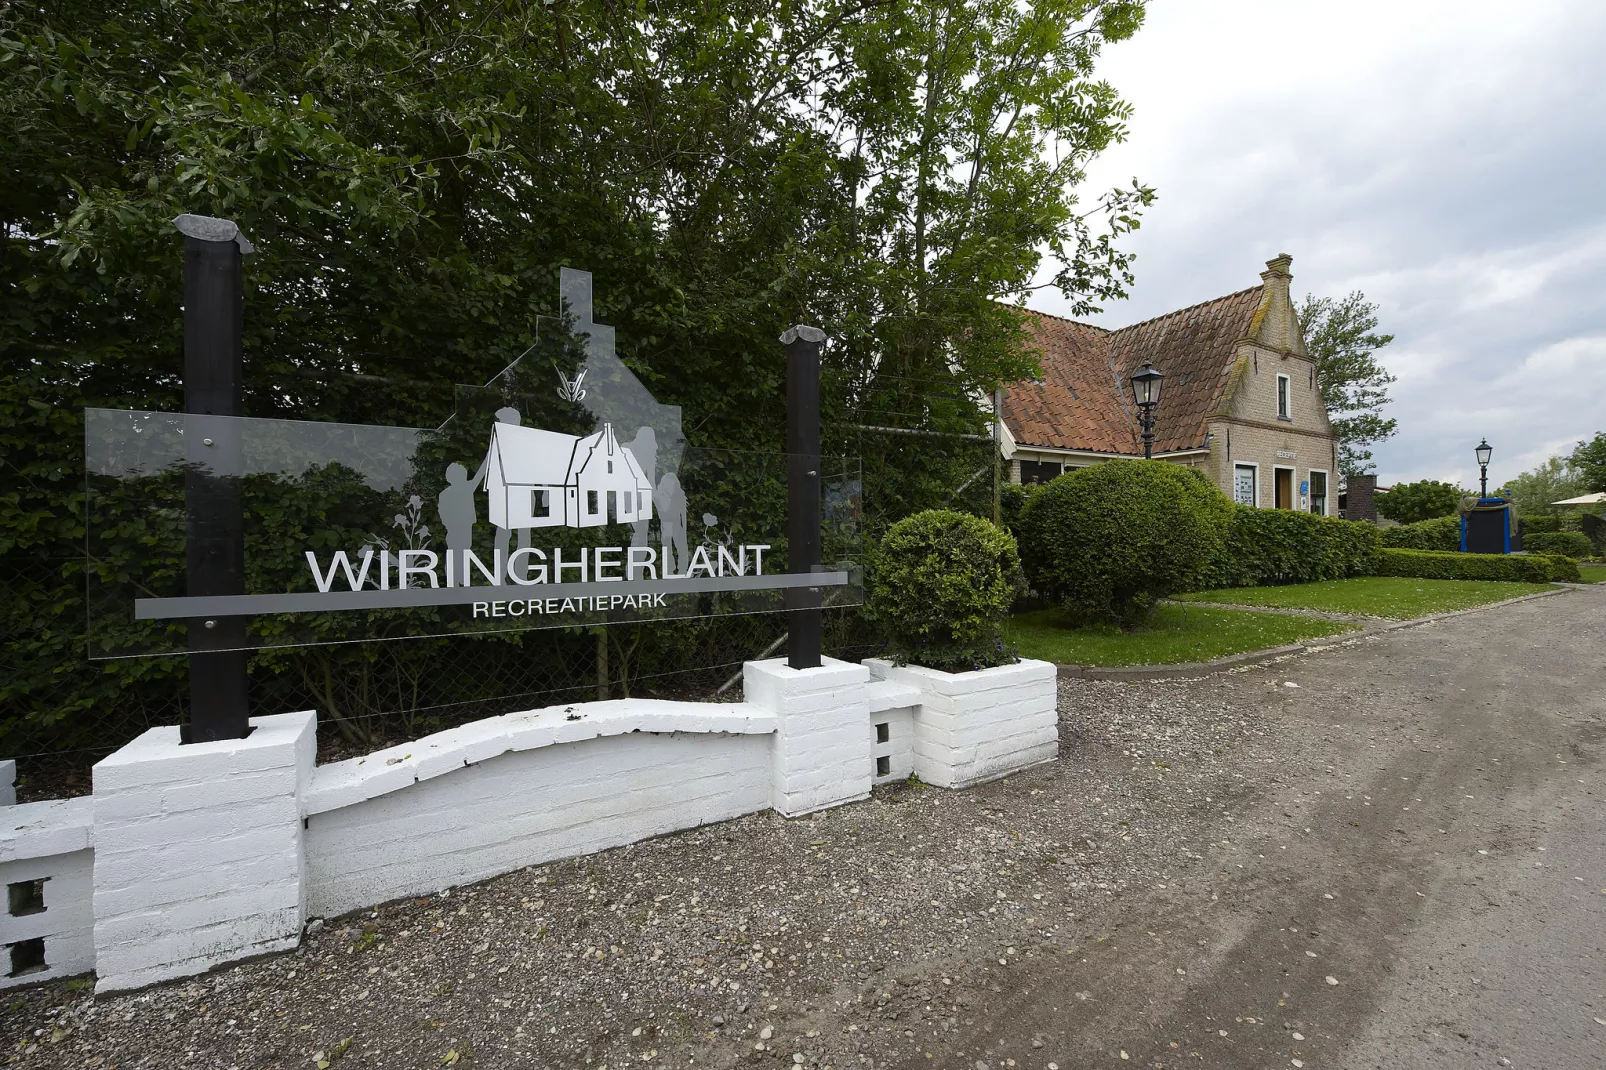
(1444,157)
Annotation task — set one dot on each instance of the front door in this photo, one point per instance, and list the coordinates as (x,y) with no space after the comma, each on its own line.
(1284,488)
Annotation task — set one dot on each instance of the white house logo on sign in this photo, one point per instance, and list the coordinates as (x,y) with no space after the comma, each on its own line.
(535,479)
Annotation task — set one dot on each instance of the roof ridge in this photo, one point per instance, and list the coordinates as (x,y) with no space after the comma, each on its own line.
(1140,323)
(1065,319)
(1189,308)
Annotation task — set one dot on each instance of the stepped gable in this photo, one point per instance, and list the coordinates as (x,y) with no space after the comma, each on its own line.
(1084,401)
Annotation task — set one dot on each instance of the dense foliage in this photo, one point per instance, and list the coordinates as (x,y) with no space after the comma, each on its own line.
(414,175)
(1108,541)
(943,582)
(1588,459)
(1264,547)
(1442,533)
(1538,525)
(1515,568)
(1565,543)
(1533,492)
(1341,335)
(1422,500)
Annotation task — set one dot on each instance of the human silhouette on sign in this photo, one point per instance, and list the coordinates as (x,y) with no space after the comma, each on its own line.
(644,448)
(456,507)
(671,502)
(507,415)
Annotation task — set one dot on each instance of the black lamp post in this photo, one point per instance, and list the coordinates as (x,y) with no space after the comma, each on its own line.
(1146,392)
(1483,451)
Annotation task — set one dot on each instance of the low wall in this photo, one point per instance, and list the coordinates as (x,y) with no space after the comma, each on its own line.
(187,857)
(530,807)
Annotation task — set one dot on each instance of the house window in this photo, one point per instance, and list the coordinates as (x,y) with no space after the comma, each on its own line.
(1243,484)
(1285,398)
(610,468)
(540,504)
(591,503)
(1318,493)
(1038,471)
(639,502)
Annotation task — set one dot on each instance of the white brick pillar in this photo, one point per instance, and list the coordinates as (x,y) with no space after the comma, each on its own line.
(198,850)
(820,756)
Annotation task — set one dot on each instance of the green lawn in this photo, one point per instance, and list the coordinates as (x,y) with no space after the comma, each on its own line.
(1397,598)
(1592,573)
(1177,634)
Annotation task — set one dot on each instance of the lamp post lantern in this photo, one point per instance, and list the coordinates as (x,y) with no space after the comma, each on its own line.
(1146,392)
(1483,451)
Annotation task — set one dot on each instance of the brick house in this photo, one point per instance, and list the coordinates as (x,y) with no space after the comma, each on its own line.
(1239,401)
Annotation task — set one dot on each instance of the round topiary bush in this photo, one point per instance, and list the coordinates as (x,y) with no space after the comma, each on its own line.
(1565,543)
(942,584)
(1108,541)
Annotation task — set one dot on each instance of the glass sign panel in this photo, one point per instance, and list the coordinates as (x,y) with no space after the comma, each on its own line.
(560,494)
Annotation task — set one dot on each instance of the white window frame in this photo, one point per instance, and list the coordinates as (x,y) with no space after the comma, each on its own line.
(1242,464)
(1327,478)
(1285,392)
(1293,485)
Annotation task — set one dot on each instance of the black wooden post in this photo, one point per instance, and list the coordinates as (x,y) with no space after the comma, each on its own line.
(803,491)
(214,322)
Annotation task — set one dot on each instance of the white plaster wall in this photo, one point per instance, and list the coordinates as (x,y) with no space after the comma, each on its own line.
(50,841)
(527,807)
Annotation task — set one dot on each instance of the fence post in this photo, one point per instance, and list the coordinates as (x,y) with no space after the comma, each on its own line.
(803,491)
(214,559)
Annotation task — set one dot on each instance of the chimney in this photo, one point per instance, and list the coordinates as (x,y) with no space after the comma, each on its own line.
(1358,503)
(1278,327)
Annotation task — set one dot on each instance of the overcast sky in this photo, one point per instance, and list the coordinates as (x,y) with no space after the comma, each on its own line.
(1446,158)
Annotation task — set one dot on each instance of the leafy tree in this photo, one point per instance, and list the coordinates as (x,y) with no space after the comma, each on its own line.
(1550,482)
(1341,334)
(1589,462)
(413,175)
(1422,500)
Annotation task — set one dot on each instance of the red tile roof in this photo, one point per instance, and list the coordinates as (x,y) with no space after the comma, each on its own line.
(1084,400)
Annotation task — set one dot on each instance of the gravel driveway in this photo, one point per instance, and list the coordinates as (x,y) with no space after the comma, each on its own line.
(1389,853)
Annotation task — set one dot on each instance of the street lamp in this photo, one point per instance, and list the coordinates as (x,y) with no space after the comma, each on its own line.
(1483,451)
(1146,392)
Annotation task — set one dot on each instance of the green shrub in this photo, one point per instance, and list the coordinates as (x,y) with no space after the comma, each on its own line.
(942,583)
(1442,533)
(1565,543)
(1422,500)
(1107,542)
(1433,565)
(1272,546)
(1540,525)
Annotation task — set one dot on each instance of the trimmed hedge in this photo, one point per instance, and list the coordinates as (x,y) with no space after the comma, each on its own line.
(1265,547)
(1441,533)
(942,584)
(1434,565)
(1108,541)
(1540,525)
(1565,543)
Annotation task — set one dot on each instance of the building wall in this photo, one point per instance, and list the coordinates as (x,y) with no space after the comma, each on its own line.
(1249,430)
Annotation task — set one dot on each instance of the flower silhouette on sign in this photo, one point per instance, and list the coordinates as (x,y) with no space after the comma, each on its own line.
(571,391)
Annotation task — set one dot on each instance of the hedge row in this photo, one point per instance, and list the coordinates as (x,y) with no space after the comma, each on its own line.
(1565,543)
(1273,546)
(1540,525)
(1440,533)
(1436,565)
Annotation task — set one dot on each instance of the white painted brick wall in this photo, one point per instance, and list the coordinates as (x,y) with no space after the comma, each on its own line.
(198,850)
(978,726)
(49,842)
(818,754)
(524,808)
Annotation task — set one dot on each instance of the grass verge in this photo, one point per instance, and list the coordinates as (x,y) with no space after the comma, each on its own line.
(1591,573)
(1393,597)
(1176,634)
